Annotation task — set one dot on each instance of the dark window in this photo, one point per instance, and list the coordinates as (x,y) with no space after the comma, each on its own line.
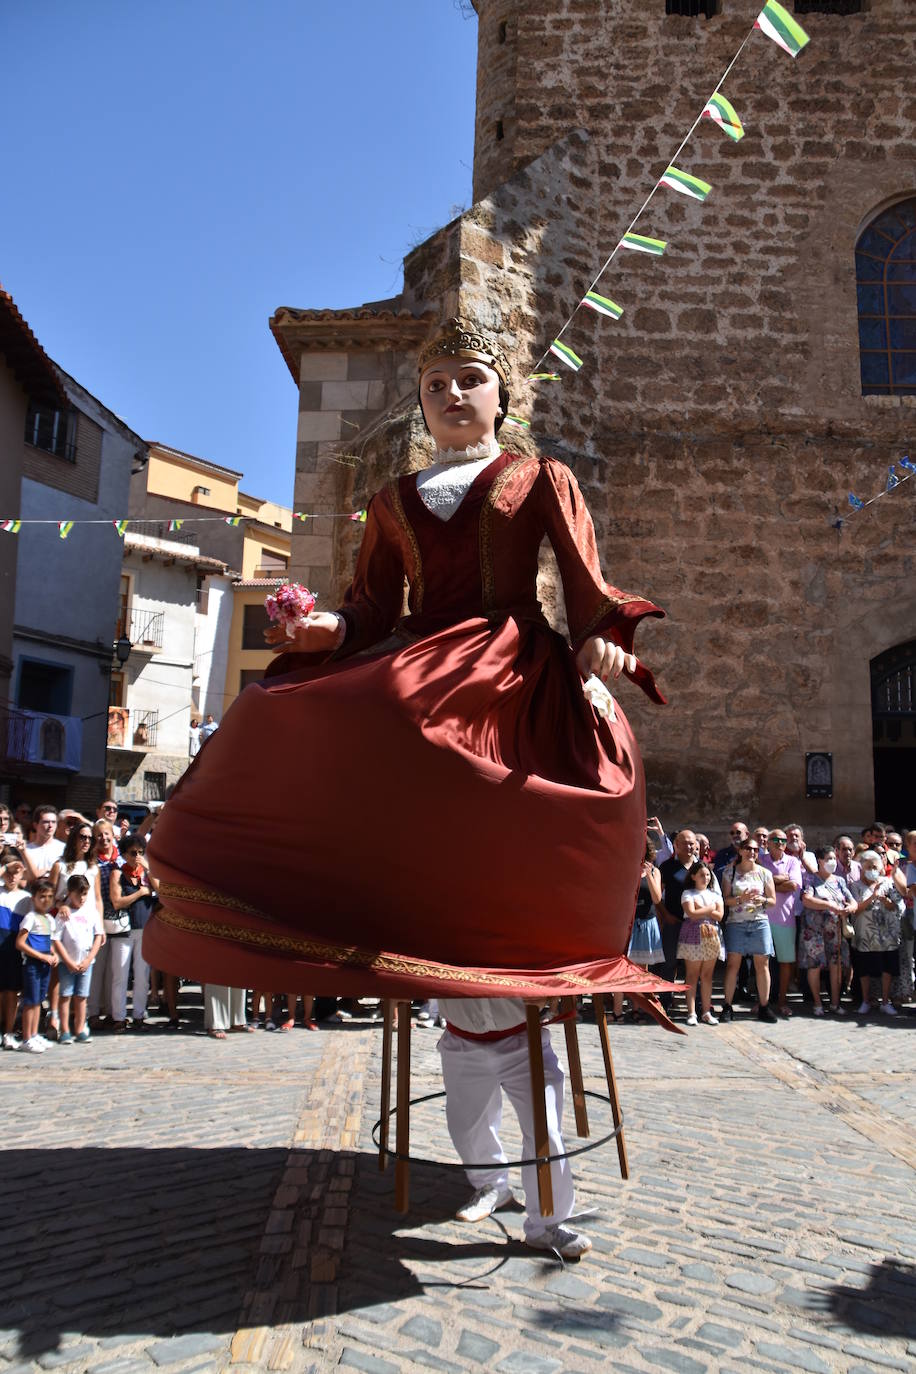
(692,7)
(250,675)
(52,430)
(886,295)
(502,31)
(154,787)
(45,687)
(828,6)
(254,624)
(499,131)
(269,559)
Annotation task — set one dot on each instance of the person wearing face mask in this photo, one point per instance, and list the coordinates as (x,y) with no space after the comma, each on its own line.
(795,844)
(786,871)
(826,903)
(876,923)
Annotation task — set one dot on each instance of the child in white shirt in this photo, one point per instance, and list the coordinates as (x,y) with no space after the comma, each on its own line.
(38,959)
(76,943)
(14,903)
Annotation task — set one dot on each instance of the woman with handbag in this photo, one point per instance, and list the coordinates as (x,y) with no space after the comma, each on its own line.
(113,959)
(132,891)
(700,941)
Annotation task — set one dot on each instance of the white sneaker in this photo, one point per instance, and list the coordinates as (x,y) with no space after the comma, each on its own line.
(562,1239)
(44,1042)
(692,1019)
(10,1042)
(708,1019)
(484,1202)
(33,1046)
(864,1009)
(889,1009)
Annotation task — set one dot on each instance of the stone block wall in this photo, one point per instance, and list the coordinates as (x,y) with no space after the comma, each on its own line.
(340,394)
(717,428)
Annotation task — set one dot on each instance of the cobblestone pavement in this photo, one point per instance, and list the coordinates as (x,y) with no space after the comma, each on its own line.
(171,1203)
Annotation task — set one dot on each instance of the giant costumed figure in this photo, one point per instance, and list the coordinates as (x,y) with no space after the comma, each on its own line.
(427,804)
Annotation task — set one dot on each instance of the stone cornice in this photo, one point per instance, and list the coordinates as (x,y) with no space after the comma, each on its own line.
(363,327)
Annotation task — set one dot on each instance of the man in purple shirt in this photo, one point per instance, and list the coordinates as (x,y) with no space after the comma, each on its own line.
(787,880)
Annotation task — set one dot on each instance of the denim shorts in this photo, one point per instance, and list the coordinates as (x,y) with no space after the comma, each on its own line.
(35,979)
(749,937)
(73,984)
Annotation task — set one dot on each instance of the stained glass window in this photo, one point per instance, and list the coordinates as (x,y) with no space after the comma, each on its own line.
(886,293)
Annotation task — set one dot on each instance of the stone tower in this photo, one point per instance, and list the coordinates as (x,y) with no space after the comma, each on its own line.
(718,426)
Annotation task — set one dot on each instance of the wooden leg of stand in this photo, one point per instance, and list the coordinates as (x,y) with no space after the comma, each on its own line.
(402,1136)
(577,1087)
(539,1110)
(601,1018)
(388,1019)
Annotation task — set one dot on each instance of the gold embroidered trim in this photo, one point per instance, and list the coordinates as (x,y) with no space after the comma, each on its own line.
(349,955)
(417,585)
(487,575)
(606,604)
(212,898)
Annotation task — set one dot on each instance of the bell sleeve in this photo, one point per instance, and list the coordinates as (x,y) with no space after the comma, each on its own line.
(372,603)
(593,606)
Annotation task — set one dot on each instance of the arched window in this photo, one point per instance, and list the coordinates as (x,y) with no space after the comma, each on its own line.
(886,292)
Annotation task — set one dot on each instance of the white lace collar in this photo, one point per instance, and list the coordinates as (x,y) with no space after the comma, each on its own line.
(489,448)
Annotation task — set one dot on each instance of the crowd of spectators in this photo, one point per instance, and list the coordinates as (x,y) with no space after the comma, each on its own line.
(764,914)
(836,921)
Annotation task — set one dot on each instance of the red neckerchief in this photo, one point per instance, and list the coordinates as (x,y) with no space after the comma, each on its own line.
(133,874)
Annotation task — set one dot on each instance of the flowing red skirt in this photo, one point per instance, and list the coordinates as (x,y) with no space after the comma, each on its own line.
(449,817)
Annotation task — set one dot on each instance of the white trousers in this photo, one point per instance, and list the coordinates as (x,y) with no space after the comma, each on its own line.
(140,993)
(475,1074)
(223,1007)
(108,990)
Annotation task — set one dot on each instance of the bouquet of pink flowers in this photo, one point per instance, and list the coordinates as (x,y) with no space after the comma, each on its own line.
(289,606)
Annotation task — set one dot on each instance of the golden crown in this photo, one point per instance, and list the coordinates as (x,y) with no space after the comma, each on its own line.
(458,338)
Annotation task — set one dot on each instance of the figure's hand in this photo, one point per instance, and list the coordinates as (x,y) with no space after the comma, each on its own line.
(320,634)
(606,660)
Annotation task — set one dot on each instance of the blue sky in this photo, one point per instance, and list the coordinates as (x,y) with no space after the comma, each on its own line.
(175,171)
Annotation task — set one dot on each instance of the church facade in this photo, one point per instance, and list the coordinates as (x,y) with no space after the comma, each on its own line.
(763,368)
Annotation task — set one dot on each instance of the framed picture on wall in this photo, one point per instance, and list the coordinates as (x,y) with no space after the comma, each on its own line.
(819,775)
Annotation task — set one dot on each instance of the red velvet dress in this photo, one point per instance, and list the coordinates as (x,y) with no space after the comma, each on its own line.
(436,808)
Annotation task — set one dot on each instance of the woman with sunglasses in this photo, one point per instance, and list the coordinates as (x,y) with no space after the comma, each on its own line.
(748,893)
(132,889)
(75,860)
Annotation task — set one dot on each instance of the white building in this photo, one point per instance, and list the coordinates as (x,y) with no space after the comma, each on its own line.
(173,613)
(77,463)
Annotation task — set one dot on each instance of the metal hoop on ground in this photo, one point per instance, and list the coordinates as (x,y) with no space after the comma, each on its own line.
(542,1159)
(489,1164)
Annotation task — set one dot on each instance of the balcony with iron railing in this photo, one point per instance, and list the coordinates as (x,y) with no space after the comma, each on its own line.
(29,738)
(133,730)
(145,629)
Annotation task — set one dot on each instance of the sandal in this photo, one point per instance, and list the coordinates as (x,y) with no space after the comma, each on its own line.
(287,1025)
(216,1035)
(173,1023)
(244,1029)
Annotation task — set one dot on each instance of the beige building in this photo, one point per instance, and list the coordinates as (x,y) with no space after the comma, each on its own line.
(763,368)
(204,496)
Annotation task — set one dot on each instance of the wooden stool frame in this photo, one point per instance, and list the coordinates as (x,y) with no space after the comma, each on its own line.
(543,1159)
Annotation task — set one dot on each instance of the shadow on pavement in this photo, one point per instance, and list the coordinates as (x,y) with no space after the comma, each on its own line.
(885,1306)
(156,1243)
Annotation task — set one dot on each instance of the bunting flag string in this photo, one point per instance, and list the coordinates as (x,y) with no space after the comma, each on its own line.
(64,527)
(723,113)
(893,481)
(776,23)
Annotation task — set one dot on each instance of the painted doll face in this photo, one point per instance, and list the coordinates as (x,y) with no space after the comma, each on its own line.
(460,399)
